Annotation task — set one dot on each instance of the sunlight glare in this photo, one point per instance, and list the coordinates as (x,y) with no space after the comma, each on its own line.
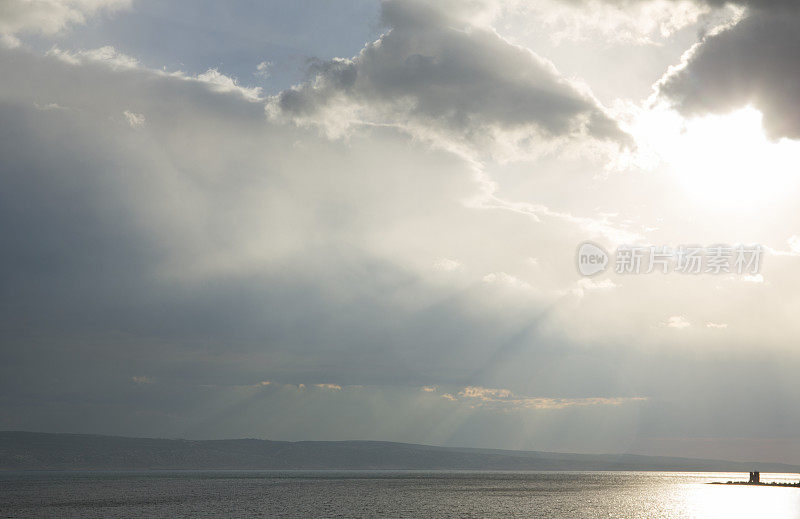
(722,160)
(734,502)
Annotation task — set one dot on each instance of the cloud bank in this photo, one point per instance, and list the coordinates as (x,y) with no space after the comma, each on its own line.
(184,255)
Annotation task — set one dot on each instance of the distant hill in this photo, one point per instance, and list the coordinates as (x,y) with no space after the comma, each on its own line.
(44,451)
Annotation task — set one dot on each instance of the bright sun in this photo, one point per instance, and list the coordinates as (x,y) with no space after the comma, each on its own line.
(723,160)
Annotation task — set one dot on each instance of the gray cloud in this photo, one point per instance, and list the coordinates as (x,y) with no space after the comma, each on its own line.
(750,63)
(437,69)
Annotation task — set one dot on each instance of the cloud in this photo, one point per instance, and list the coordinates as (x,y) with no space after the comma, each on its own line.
(716,326)
(221,83)
(213,249)
(319,251)
(110,57)
(441,77)
(485,394)
(592,284)
(447,265)
(262,69)
(793,251)
(51,16)
(506,280)
(107,55)
(505,399)
(794,243)
(9,41)
(331,387)
(746,64)
(645,22)
(134,120)
(678,321)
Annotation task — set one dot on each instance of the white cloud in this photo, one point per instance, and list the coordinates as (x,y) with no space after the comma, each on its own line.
(262,69)
(51,16)
(115,60)
(794,244)
(49,106)
(107,55)
(592,284)
(478,396)
(507,280)
(134,120)
(447,265)
(639,23)
(716,326)
(221,83)
(602,226)
(331,387)
(484,393)
(678,321)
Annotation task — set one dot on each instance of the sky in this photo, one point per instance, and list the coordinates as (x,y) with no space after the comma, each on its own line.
(314,220)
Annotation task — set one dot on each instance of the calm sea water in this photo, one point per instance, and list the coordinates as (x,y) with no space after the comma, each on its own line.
(200,494)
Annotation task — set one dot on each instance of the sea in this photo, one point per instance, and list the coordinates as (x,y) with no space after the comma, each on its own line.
(400,494)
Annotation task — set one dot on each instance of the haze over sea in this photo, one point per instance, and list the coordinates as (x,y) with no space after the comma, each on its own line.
(624,495)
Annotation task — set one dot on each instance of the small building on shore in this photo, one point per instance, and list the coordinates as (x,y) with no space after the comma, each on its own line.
(755,477)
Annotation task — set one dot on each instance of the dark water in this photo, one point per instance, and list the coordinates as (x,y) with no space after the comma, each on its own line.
(390,494)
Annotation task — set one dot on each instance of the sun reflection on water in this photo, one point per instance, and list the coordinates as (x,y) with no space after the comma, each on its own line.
(744,501)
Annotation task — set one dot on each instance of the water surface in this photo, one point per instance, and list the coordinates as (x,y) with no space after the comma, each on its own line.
(198,494)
